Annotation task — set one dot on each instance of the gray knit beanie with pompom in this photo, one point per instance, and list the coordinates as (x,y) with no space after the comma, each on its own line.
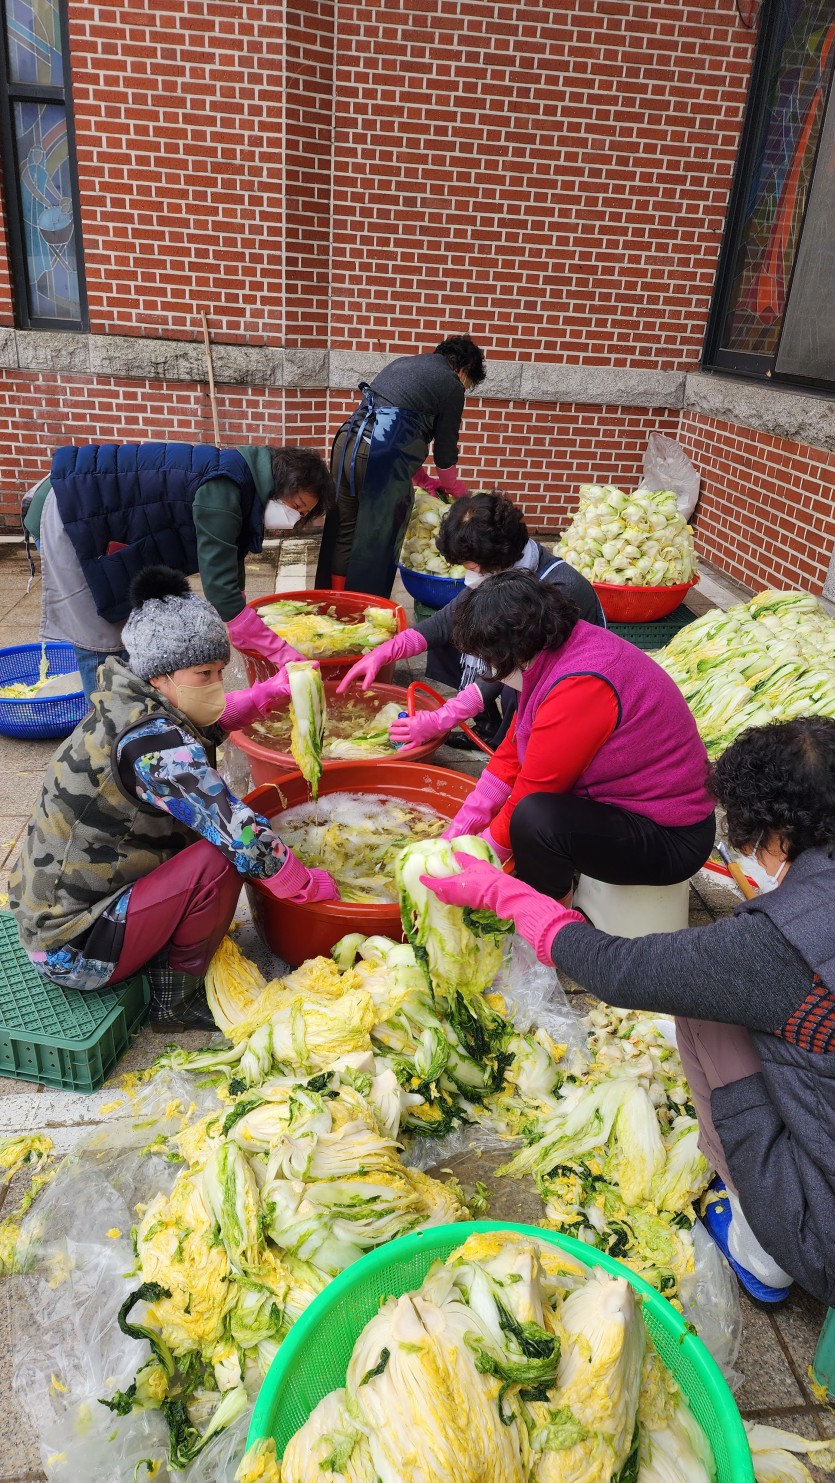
(170,627)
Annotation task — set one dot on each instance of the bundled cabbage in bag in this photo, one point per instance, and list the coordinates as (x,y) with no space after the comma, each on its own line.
(633,540)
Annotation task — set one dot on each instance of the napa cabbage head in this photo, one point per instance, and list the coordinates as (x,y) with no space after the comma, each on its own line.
(413,1384)
(457,947)
(307,710)
(330,1445)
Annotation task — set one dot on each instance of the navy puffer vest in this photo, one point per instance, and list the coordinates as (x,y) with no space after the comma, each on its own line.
(140,495)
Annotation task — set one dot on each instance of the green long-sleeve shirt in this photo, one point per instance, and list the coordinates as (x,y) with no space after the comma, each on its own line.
(216,513)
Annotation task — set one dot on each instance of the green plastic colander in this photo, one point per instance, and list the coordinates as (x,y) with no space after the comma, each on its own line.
(313,1359)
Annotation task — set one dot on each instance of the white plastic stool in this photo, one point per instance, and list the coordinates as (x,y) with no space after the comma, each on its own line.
(633,911)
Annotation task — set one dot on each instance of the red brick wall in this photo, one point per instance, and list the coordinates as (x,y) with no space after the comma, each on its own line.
(538,452)
(178,115)
(308,114)
(552,177)
(766,512)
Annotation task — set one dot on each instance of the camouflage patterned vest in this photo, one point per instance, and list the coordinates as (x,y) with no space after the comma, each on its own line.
(89,839)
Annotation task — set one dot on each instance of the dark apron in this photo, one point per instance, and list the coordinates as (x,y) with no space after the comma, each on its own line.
(397,449)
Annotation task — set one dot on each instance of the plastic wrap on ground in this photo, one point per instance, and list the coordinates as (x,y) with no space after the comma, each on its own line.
(75,1255)
(710,1300)
(535,997)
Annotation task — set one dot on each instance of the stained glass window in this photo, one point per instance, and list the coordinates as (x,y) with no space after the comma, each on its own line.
(33,34)
(39,165)
(790,87)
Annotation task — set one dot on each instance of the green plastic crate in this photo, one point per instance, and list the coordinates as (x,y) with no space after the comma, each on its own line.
(62,1037)
(654,635)
(314,1357)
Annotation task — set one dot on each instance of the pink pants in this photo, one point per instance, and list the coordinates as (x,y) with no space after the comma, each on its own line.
(186,906)
(714,1055)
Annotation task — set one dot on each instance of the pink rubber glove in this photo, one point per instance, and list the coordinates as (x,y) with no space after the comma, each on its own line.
(403,646)
(413,731)
(449,482)
(249,632)
(483,804)
(501,851)
(294,882)
(421,480)
(537,918)
(245,706)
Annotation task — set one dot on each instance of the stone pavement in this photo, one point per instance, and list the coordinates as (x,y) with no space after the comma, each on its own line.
(776,1348)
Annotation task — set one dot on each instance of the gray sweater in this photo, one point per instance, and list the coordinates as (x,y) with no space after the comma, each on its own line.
(771,968)
(426,384)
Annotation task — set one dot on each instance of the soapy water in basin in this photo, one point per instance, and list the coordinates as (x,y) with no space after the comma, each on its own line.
(356,837)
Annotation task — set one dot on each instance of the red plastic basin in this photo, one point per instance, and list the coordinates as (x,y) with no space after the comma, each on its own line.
(295,931)
(640,604)
(267,762)
(346,605)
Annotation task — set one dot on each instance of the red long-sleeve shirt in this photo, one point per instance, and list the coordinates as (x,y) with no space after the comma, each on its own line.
(570,726)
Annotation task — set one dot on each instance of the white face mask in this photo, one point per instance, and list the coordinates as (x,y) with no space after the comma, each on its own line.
(515,679)
(769,882)
(278,516)
(475,579)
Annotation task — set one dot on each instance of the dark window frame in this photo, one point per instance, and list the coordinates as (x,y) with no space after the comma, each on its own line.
(751,367)
(18,92)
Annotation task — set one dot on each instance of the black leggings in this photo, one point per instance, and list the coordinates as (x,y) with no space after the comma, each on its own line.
(555,834)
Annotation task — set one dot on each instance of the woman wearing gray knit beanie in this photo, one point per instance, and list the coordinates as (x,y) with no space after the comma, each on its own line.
(136,853)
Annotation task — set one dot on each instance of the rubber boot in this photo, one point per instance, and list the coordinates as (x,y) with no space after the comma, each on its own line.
(178,1000)
(337,584)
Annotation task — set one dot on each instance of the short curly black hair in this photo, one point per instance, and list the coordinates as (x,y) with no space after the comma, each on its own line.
(510,619)
(300,469)
(463,354)
(780,780)
(485,528)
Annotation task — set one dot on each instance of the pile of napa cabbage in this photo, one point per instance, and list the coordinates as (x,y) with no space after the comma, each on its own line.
(771,659)
(633,540)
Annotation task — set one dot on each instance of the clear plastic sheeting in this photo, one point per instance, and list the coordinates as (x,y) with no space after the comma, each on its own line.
(535,998)
(709,1298)
(74,1261)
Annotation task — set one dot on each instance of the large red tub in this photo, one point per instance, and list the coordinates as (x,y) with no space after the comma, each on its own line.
(345,605)
(296,932)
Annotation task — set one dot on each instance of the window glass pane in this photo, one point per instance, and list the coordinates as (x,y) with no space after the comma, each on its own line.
(46,205)
(33,35)
(796,93)
(807,347)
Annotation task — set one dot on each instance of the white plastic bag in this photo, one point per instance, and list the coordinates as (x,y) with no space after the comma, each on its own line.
(710,1301)
(666,466)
